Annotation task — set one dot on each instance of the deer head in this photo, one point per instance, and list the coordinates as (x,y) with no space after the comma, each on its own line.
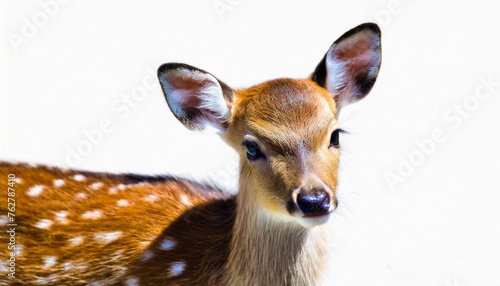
(285,130)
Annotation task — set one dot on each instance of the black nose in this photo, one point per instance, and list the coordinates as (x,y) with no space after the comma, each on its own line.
(313,202)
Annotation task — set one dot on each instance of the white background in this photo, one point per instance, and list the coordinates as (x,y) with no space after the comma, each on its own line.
(438,225)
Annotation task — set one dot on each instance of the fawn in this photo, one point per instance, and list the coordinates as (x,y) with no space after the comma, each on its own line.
(84,228)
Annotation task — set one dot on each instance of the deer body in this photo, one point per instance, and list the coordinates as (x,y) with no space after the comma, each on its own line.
(81,228)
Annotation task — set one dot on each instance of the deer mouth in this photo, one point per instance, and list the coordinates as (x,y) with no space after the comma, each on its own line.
(314,216)
(309,221)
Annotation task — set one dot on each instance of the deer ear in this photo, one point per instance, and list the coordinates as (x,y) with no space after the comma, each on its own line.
(350,67)
(198,99)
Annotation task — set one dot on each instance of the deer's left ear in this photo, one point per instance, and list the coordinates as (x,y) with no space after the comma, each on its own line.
(350,67)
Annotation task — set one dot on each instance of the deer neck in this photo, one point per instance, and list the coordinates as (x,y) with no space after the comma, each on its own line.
(266,250)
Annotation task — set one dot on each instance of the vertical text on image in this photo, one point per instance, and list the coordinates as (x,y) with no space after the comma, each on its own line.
(11,226)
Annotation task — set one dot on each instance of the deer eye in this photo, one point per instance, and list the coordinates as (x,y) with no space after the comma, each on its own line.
(335,140)
(253,150)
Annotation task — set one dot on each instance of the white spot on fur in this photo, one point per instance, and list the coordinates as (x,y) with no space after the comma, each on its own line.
(4,220)
(95,214)
(177,268)
(77,240)
(79,266)
(61,214)
(115,256)
(115,190)
(3,266)
(167,244)
(132,281)
(19,249)
(96,185)
(107,237)
(35,190)
(122,203)
(68,266)
(185,200)
(49,261)
(147,255)
(79,178)
(81,196)
(59,183)
(61,217)
(151,198)
(51,279)
(44,223)
(18,180)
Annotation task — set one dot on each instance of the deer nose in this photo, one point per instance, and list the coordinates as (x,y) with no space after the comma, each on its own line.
(314,202)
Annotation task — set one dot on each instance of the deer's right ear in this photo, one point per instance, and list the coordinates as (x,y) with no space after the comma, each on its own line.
(196,97)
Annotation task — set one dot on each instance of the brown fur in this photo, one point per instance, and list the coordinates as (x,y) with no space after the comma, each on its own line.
(144,223)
